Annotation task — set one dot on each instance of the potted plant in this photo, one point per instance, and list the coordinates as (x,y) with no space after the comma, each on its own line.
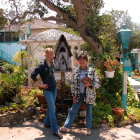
(111,65)
(118,111)
(41,99)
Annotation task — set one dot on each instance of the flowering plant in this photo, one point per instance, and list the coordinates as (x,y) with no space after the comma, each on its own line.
(111,65)
(86,80)
(76,62)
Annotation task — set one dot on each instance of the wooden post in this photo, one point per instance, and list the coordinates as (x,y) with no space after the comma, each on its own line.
(29,64)
(62,87)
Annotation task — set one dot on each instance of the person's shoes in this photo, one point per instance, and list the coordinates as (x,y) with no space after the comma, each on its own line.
(88,131)
(58,134)
(47,126)
(64,129)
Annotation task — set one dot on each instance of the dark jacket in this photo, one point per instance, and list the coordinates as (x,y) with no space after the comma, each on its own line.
(46,73)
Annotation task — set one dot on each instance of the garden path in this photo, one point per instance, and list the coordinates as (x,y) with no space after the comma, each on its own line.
(34,130)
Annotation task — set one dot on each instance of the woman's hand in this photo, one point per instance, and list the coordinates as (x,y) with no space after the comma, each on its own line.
(42,86)
(74,100)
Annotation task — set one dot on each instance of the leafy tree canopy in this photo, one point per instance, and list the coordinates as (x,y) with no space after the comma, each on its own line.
(3,20)
(83,16)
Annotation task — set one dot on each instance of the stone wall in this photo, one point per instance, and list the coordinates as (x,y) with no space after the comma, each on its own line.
(18,117)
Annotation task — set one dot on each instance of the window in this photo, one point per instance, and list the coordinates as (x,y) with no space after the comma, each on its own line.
(1,37)
(15,36)
(9,37)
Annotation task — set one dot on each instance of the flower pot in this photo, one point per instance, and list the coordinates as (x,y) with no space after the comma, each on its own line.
(82,107)
(41,99)
(118,111)
(109,74)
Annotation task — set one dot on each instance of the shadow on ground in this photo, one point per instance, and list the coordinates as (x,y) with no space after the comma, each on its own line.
(34,130)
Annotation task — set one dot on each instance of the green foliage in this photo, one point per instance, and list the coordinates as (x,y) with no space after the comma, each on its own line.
(120,17)
(29,97)
(10,85)
(131,99)
(110,94)
(3,19)
(21,58)
(8,67)
(106,26)
(69,9)
(35,91)
(101,111)
(69,30)
(133,113)
(110,120)
(135,41)
(111,89)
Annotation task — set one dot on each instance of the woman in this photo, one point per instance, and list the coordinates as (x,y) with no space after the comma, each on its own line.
(46,71)
(84,83)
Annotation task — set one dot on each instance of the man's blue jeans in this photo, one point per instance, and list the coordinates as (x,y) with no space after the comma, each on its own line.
(50,118)
(74,110)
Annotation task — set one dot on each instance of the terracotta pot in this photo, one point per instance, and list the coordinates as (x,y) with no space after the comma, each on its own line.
(83,107)
(118,111)
(109,74)
(41,99)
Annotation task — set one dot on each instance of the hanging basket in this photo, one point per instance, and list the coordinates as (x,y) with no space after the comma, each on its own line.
(109,74)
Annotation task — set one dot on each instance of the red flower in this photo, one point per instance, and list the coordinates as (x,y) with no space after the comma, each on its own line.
(111,65)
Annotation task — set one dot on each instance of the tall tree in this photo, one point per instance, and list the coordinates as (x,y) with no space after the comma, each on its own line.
(76,14)
(120,17)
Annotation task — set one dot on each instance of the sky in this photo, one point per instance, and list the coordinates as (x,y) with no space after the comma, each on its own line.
(133,7)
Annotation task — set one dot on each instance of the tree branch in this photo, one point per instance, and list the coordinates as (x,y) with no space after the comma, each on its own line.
(54,19)
(80,10)
(68,23)
(60,12)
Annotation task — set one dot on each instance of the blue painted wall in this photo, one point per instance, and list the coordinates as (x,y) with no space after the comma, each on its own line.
(8,50)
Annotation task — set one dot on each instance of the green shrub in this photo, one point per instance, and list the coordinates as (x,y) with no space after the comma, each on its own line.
(110,120)
(111,91)
(133,113)
(109,96)
(101,111)
(8,67)
(10,85)
(131,99)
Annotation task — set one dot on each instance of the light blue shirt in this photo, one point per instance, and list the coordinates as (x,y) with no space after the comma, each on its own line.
(81,76)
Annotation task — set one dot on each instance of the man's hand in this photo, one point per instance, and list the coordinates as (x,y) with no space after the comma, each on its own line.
(74,100)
